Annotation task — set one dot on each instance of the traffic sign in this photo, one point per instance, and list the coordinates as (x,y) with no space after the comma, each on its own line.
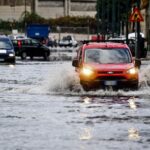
(136,16)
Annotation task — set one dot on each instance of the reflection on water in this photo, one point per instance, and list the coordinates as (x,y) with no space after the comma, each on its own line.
(87,100)
(132,103)
(86,134)
(133,134)
(11,66)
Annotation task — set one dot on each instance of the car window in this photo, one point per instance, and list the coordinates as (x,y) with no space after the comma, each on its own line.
(93,56)
(107,56)
(34,42)
(5,44)
(25,42)
(14,42)
(66,38)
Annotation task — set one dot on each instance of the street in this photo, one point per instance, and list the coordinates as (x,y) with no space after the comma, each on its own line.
(43,107)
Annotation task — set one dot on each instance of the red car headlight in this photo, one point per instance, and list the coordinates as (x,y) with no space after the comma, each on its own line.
(87,71)
(132,71)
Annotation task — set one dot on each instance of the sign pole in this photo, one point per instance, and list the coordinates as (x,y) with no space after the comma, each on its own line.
(136,42)
(137,59)
(137,18)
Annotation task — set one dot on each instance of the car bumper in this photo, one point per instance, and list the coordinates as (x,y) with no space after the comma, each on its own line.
(7,58)
(114,83)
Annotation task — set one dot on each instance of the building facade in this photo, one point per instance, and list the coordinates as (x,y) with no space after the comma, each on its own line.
(13,9)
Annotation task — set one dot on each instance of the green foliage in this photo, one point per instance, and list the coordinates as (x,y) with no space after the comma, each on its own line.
(67,21)
(111,13)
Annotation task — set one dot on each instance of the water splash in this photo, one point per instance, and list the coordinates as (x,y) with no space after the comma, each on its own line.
(66,82)
(145,77)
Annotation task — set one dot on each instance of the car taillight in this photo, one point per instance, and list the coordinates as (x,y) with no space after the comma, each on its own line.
(19,44)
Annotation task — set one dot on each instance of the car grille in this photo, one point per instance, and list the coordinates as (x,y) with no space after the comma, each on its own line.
(110,72)
(111,78)
(3,55)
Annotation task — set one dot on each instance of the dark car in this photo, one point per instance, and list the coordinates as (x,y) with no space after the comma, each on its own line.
(7,53)
(106,64)
(30,47)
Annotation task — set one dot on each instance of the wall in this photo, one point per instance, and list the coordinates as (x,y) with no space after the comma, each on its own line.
(12,9)
(12,13)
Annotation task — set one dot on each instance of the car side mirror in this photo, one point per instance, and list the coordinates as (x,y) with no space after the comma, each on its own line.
(75,62)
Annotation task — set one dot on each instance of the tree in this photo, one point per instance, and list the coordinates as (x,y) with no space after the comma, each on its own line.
(111,13)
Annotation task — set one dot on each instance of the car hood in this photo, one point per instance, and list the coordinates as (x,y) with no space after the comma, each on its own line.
(109,67)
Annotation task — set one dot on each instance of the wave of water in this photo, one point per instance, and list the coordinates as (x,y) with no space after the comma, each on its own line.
(61,79)
(67,83)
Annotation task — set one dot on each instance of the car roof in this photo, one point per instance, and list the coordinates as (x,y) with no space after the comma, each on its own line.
(3,37)
(21,39)
(104,45)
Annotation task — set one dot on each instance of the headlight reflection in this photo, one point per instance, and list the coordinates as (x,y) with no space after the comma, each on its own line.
(12,66)
(133,134)
(87,100)
(132,103)
(86,135)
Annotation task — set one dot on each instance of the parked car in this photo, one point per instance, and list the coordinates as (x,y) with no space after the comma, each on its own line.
(30,47)
(17,36)
(7,53)
(106,64)
(68,41)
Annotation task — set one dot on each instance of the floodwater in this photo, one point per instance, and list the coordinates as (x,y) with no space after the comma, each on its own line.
(43,107)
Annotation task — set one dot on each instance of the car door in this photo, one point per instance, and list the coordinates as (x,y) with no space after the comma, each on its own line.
(26,46)
(36,48)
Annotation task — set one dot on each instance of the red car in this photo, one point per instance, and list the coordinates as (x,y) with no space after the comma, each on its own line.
(106,64)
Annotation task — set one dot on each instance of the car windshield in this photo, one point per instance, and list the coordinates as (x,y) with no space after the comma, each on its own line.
(66,38)
(107,56)
(5,44)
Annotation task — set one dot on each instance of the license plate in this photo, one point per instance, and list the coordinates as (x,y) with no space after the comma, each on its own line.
(110,83)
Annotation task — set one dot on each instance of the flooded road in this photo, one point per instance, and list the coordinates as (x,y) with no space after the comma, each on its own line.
(43,107)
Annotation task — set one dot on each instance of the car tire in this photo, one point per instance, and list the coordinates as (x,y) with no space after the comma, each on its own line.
(23,55)
(13,61)
(134,87)
(31,57)
(46,56)
(85,86)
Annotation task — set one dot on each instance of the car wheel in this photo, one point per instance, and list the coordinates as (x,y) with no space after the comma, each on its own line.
(85,86)
(46,56)
(13,61)
(134,87)
(23,55)
(31,57)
